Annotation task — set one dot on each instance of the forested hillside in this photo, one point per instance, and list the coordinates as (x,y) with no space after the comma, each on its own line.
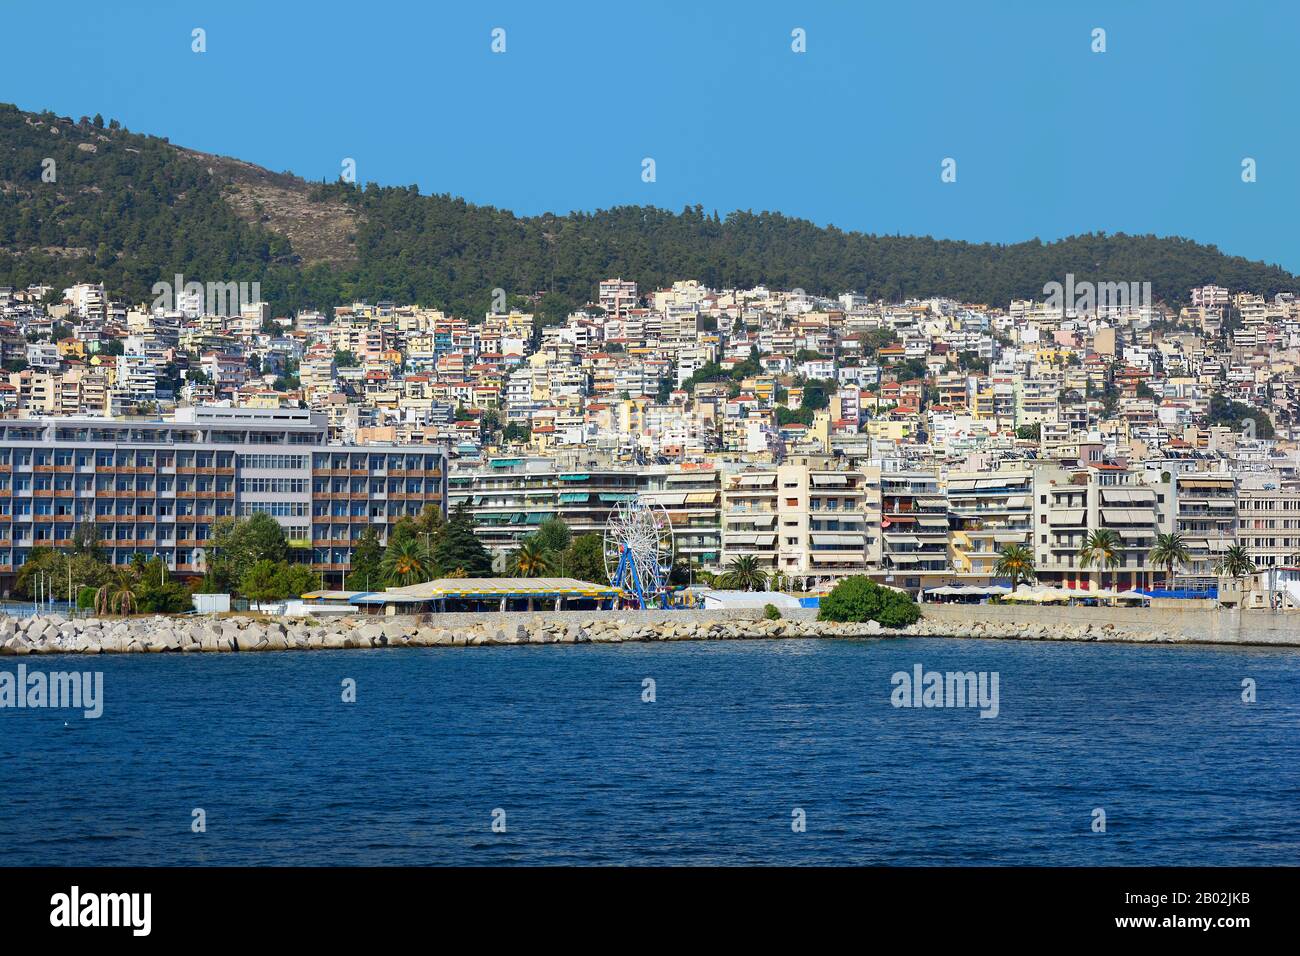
(129,210)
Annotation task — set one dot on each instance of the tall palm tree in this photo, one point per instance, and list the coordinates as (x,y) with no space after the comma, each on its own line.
(1235,563)
(1101,549)
(1017,563)
(531,560)
(744,574)
(1170,551)
(406,561)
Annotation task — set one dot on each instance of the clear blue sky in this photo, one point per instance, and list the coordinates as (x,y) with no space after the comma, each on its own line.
(1050,138)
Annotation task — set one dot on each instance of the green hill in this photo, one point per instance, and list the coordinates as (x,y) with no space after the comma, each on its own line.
(130,210)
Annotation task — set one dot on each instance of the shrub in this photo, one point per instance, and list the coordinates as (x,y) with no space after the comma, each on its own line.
(860,599)
(86,598)
(771,612)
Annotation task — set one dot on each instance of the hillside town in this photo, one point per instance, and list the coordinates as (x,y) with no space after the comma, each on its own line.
(916,442)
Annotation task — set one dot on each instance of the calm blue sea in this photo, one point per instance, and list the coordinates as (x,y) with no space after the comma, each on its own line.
(740,735)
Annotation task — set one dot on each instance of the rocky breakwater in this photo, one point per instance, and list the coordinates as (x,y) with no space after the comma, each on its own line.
(191,634)
(139,635)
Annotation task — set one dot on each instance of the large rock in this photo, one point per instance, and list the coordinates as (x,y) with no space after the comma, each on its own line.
(250,639)
(16,645)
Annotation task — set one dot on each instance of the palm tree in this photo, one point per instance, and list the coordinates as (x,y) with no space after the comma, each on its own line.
(1017,563)
(1101,549)
(744,574)
(531,560)
(116,597)
(1236,563)
(1169,552)
(406,561)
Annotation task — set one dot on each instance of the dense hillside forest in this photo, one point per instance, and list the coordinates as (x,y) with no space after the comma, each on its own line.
(130,210)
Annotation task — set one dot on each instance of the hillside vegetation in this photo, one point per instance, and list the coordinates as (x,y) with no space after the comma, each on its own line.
(129,210)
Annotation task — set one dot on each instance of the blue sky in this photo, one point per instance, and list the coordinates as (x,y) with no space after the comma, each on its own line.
(1050,138)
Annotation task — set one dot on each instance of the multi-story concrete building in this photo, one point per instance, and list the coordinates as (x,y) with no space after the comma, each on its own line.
(805,520)
(158,487)
(1268,525)
(990,511)
(1068,505)
(913,528)
(1207,520)
(511,497)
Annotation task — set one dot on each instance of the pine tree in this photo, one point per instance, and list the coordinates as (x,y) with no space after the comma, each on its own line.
(459,549)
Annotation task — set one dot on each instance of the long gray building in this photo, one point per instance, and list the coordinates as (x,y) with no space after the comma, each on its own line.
(159,486)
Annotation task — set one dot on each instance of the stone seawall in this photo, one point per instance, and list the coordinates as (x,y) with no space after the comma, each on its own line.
(192,634)
(1184,623)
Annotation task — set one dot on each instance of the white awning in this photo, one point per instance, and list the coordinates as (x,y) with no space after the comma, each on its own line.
(848,540)
(659,498)
(1127,516)
(751,519)
(757,481)
(1127,496)
(1070,517)
(830,479)
(1133,533)
(821,557)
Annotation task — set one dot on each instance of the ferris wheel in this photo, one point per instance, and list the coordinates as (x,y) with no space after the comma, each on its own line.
(639,550)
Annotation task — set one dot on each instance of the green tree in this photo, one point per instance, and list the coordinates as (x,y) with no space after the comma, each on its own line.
(1236,563)
(816,394)
(1169,552)
(364,572)
(801,416)
(459,549)
(240,543)
(43,564)
(744,573)
(262,582)
(157,593)
(531,559)
(1101,549)
(515,433)
(297,579)
(1017,563)
(406,561)
(584,559)
(553,535)
(859,599)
